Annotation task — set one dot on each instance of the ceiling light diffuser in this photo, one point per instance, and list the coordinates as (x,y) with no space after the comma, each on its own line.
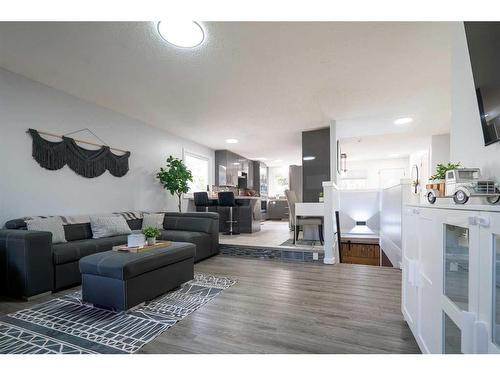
(231,140)
(306,158)
(403,121)
(186,34)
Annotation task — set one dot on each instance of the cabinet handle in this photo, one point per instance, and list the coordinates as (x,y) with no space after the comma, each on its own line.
(472,220)
(483,221)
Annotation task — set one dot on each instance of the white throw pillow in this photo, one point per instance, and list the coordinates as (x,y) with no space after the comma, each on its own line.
(108,226)
(49,224)
(153,220)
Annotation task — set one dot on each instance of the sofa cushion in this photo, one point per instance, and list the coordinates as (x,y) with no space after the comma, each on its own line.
(53,225)
(135,224)
(191,221)
(75,232)
(16,224)
(153,221)
(124,266)
(108,226)
(74,250)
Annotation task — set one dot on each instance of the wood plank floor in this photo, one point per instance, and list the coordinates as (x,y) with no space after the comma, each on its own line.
(279,307)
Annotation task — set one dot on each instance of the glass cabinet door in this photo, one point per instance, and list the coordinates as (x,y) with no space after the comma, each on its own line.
(451,336)
(456,264)
(496,291)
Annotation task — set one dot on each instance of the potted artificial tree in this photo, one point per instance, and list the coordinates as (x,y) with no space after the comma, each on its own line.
(151,233)
(175,178)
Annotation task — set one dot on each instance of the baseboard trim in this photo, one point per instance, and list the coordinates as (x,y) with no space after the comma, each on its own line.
(391,250)
(36,296)
(329,260)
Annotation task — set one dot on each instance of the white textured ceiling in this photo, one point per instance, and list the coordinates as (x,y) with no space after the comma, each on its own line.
(262,83)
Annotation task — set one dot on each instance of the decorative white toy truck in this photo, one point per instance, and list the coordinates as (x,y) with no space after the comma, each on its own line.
(461,184)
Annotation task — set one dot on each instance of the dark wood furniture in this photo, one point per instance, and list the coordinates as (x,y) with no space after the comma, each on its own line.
(360,251)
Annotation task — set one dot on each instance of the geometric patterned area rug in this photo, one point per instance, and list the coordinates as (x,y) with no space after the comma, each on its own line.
(65,325)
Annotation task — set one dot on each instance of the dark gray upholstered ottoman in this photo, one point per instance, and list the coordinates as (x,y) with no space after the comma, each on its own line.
(120,280)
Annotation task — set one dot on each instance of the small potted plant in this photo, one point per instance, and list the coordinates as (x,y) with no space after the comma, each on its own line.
(441,170)
(321,197)
(151,233)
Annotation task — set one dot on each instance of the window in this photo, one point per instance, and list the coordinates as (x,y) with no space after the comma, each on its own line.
(278,181)
(199,167)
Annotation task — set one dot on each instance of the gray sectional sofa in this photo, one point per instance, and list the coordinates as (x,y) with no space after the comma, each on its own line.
(30,264)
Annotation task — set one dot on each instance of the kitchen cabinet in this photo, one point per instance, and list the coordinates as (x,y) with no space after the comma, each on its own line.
(451,277)
(230,166)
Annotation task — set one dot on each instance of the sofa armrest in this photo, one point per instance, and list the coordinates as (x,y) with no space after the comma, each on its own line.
(207,222)
(25,262)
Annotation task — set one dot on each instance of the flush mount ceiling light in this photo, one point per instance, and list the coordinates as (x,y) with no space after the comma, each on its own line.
(403,121)
(306,158)
(186,34)
(231,140)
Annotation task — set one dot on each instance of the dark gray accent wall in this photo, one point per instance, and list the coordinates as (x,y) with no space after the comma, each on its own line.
(315,143)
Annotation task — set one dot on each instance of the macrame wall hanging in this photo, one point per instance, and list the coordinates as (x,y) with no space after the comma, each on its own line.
(87,163)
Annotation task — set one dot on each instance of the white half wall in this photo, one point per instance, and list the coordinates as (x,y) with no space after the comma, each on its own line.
(466,140)
(391,214)
(28,189)
(359,205)
(440,150)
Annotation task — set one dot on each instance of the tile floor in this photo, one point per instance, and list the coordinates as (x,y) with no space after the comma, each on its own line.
(272,234)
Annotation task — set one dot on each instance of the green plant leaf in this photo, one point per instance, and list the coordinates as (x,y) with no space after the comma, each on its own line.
(441,170)
(151,232)
(175,177)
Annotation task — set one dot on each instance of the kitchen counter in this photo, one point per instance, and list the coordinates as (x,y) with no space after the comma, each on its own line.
(235,197)
(247,213)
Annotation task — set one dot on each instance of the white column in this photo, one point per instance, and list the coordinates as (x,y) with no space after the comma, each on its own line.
(331,204)
(333,151)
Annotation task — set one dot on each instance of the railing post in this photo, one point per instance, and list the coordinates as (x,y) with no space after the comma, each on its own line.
(331,204)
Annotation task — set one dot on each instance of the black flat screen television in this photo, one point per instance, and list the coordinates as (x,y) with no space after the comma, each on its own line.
(483,40)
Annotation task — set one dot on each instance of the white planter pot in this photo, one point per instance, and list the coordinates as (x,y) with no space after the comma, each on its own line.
(151,241)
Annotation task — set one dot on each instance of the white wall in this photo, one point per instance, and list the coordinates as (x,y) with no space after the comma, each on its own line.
(359,206)
(28,189)
(371,171)
(440,150)
(466,140)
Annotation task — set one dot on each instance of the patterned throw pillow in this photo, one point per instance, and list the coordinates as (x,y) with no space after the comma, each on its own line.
(48,224)
(153,220)
(108,226)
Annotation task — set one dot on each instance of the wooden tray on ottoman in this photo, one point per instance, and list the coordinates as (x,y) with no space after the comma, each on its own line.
(158,245)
